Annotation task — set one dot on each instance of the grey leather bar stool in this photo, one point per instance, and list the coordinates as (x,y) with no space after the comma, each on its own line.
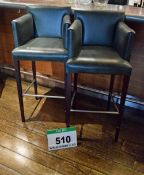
(40,35)
(100,43)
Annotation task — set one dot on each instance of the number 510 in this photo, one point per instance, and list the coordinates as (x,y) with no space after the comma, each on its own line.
(63,139)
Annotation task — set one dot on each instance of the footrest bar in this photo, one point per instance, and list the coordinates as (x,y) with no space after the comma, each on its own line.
(30,85)
(115,106)
(97,112)
(73,97)
(44,96)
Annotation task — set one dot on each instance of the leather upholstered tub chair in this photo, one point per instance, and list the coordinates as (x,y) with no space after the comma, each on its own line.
(100,43)
(39,35)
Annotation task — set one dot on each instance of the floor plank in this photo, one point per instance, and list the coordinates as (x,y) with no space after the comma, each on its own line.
(4,170)
(22,165)
(23,146)
(93,156)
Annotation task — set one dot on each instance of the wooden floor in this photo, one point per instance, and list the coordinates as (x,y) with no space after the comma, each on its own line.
(23,146)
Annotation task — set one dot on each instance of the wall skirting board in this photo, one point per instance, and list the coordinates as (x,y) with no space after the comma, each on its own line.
(131,101)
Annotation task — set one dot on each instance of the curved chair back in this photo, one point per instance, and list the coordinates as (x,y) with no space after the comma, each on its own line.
(48,20)
(99,26)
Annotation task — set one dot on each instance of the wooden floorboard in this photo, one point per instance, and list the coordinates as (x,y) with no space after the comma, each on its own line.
(24,148)
(7,171)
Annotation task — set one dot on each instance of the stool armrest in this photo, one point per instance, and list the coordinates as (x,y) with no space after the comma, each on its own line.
(123,40)
(75,38)
(65,25)
(23,29)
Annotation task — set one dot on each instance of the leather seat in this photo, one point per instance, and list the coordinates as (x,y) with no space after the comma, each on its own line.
(40,35)
(100,59)
(42,48)
(99,43)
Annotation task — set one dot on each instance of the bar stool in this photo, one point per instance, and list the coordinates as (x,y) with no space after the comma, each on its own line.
(100,43)
(40,35)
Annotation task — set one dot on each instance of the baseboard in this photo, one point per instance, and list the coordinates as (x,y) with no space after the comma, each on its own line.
(131,101)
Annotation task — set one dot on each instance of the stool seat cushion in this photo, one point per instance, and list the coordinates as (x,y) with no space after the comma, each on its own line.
(98,59)
(42,48)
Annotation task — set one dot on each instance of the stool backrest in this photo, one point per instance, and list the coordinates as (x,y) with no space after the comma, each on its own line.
(98,26)
(48,20)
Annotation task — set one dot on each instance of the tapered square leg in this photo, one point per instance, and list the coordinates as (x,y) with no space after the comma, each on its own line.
(68,99)
(19,88)
(110,91)
(34,78)
(75,90)
(122,105)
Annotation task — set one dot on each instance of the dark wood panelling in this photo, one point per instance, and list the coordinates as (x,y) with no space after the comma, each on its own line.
(136,86)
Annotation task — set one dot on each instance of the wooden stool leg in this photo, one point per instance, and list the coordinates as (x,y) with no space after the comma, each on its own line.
(68,99)
(19,88)
(75,89)
(34,77)
(122,105)
(1,80)
(65,76)
(110,91)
